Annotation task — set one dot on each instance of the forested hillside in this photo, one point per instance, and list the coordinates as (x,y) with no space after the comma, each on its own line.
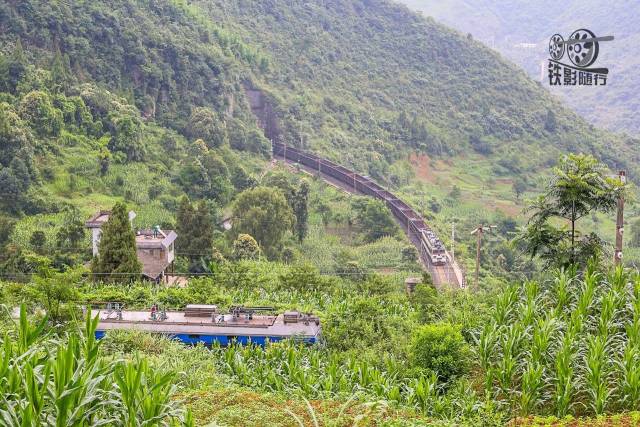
(374,74)
(369,76)
(149,100)
(506,24)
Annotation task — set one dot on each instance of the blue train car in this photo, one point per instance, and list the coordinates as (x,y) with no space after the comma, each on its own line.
(204,324)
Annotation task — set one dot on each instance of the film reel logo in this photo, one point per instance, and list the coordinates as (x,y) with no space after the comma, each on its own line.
(582,49)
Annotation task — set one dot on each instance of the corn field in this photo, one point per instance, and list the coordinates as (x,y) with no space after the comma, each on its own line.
(317,374)
(53,381)
(570,346)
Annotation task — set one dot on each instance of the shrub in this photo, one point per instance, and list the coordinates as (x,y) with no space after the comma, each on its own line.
(425,297)
(245,247)
(442,349)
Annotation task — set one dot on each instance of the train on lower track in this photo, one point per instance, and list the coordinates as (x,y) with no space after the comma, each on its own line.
(199,323)
(430,245)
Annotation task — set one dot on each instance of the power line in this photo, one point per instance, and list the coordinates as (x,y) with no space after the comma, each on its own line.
(206,274)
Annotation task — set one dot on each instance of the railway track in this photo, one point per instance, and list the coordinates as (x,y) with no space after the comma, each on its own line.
(433,256)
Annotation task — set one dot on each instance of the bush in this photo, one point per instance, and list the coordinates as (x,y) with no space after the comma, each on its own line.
(245,247)
(425,298)
(304,276)
(442,349)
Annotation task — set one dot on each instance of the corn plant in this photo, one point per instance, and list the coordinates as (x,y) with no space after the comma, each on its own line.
(63,381)
(628,367)
(596,373)
(486,346)
(562,282)
(532,383)
(564,376)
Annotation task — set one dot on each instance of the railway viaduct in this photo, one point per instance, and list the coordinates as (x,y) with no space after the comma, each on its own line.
(449,274)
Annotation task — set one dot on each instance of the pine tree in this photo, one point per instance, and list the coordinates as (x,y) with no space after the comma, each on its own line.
(117,259)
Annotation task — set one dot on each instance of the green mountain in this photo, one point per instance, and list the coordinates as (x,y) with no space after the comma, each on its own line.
(520,30)
(147,100)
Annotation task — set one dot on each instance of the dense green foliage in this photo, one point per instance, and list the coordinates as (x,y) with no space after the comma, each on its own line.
(367,326)
(375,76)
(149,101)
(440,348)
(410,73)
(245,247)
(373,218)
(264,214)
(194,227)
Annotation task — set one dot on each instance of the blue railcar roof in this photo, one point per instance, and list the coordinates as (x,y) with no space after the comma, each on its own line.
(221,324)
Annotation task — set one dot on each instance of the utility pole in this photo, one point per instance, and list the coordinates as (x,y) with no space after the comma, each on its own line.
(617,258)
(453,241)
(479,232)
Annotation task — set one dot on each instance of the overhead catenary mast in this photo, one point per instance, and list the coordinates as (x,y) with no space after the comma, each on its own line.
(617,257)
(479,231)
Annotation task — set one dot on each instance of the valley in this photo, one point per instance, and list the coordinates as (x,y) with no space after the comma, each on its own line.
(291,199)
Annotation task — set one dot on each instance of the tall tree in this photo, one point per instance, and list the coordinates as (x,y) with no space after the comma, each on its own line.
(117,259)
(195,233)
(205,124)
(127,137)
(263,213)
(578,187)
(283,182)
(373,218)
(13,69)
(301,209)
(72,231)
(12,191)
(60,72)
(184,225)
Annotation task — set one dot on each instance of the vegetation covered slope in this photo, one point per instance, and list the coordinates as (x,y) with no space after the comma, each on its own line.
(339,74)
(506,23)
(376,75)
(107,101)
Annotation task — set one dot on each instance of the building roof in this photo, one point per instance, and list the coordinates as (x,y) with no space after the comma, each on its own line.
(101,217)
(147,239)
(98,219)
